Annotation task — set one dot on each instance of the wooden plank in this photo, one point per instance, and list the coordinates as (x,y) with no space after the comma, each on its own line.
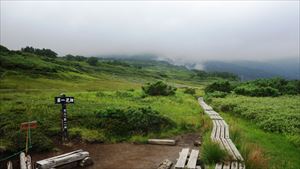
(9,165)
(63,159)
(235,150)
(218,129)
(162,142)
(242,166)
(234,165)
(228,148)
(219,166)
(214,130)
(193,159)
(226,166)
(182,158)
(222,134)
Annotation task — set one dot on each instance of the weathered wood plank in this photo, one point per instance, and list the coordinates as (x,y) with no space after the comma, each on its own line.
(162,142)
(219,166)
(234,165)
(235,150)
(63,159)
(182,158)
(228,148)
(218,129)
(214,130)
(193,159)
(226,166)
(242,166)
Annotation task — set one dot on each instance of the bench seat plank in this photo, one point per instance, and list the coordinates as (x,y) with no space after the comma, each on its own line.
(182,158)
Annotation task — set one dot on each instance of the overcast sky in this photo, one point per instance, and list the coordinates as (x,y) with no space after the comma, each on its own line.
(192,30)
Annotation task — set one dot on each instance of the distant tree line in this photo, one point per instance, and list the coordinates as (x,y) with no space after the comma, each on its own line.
(42,52)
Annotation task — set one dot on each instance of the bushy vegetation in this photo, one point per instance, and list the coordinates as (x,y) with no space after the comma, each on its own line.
(132,121)
(159,88)
(262,149)
(280,114)
(259,88)
(220,86)
(191,91)
(92,61)
(41,52)
(96,116)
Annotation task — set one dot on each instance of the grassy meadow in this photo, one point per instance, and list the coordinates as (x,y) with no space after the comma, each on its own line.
(265,129)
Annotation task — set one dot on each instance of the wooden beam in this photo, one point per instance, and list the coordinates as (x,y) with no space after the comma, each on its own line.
(162,142)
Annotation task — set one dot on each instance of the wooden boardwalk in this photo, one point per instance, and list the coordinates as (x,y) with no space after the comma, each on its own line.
(220,134)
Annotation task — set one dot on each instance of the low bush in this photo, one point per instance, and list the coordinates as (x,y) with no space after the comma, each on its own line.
(251,90)
(222,86)
(131,121)
(159,88)
(191,91)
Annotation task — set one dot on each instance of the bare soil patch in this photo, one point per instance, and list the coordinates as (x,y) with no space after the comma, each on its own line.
(127,155)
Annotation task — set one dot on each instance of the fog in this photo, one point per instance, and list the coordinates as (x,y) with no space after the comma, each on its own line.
(183,31)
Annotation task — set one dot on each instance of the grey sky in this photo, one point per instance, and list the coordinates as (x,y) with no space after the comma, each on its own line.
(180,30)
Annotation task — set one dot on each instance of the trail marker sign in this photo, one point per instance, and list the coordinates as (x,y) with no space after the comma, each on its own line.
(27,125)
(64,100)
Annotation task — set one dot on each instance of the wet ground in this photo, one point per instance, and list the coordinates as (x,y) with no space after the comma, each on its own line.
(128,156)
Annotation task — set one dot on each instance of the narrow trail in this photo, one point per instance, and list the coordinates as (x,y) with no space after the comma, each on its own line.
(220,134)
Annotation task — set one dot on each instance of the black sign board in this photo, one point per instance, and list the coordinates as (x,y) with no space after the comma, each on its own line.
(61,100)
(64,100)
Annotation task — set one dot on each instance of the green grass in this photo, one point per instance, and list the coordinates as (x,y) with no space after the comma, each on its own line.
(17,107)
(274,114)
(279,151)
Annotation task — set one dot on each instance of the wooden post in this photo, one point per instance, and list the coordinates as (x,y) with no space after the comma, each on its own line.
(9,165)
(63,100)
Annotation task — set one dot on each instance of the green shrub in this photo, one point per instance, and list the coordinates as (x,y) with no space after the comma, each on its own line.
(159,88)
(222,86)
(92,61)
(251,90)
(191,91)
(131,121)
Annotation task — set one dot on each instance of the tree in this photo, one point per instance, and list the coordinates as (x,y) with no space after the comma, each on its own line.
(92,61)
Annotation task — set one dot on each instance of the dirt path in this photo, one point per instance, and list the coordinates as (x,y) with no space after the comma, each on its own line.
(126,155)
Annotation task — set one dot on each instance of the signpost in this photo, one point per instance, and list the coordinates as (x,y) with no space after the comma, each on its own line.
(25,159)
(64,100)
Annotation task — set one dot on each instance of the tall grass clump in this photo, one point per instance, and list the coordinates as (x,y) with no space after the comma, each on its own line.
(212,152)
(254,156)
